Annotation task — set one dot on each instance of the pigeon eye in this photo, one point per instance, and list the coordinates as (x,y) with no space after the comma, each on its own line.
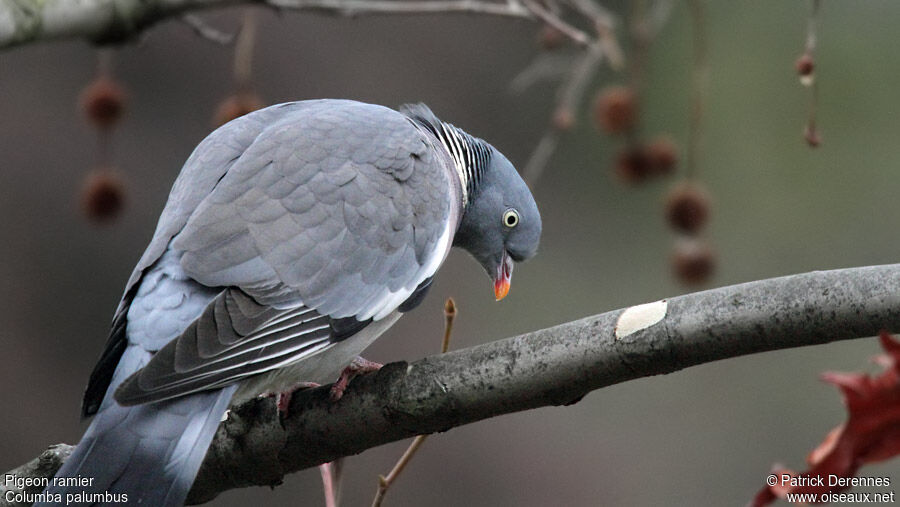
(511,218)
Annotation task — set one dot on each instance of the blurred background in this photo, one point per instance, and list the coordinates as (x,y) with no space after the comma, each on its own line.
(705,436)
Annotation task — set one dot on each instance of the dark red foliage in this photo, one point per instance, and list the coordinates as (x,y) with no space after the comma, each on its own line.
(871,433)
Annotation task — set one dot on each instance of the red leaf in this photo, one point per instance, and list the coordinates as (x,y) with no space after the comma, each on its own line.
(871,433)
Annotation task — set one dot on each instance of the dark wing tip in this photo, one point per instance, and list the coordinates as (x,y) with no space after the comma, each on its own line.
(129,392)
(103,371)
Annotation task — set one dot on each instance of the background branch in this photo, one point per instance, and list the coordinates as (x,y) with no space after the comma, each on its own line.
(571,93)
(554,366)
(110,21)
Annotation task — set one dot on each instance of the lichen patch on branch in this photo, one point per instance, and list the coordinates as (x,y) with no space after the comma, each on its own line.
(640,317)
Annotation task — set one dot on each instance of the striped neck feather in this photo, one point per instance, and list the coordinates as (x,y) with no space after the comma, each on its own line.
(469,154)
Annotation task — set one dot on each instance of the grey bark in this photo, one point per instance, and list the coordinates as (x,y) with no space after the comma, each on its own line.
(554,366)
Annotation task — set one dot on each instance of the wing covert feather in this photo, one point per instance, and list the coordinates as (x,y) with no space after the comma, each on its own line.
(338,205)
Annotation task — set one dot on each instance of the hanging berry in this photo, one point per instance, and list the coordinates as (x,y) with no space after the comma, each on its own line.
(687,207)
(805,68)
(615,109)
(693,261)
(103,102)
(632,165)
(102,195)
(687,204)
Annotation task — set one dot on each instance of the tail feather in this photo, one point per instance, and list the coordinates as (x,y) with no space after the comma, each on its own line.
(147,454)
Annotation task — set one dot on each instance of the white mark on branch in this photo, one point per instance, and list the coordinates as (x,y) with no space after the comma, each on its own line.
(640,317)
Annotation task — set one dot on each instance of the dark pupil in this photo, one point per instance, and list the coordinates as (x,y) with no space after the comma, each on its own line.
(511,220)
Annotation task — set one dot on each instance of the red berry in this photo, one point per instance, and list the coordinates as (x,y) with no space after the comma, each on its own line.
(662,153)
(615,109)
(102,195)
(633,165)
(687,207)
(805,65)
(103,102)
(237,105)
(693,261)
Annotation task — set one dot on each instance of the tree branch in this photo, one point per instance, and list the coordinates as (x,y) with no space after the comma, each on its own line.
(554,366)
(110,21)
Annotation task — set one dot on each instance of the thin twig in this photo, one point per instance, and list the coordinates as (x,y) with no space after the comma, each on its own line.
(449,317)
(659,15)
(610,47)
(375,7)
(207,31)
(543,67)
(540,156)
(604,24)
(243,51)
(644,23)
(556,22)
(812,80)
(639,30)
(105,64)
(385,482)
(571,93)
(812,23)
(105,57)
(699,79)
(598,14)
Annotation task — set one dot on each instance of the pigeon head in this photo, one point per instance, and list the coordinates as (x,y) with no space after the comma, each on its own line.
(501,223)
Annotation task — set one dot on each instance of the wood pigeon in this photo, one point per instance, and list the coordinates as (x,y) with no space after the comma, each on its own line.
(293,237)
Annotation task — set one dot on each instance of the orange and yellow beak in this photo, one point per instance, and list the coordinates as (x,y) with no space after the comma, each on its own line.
(503,276)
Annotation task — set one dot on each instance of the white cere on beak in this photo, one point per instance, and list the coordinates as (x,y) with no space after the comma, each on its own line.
(640,317)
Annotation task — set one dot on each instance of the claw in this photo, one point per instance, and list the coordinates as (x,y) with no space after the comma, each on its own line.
(283,398)
(358,366)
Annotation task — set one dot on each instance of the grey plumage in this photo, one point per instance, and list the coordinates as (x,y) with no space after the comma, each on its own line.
(293,237)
